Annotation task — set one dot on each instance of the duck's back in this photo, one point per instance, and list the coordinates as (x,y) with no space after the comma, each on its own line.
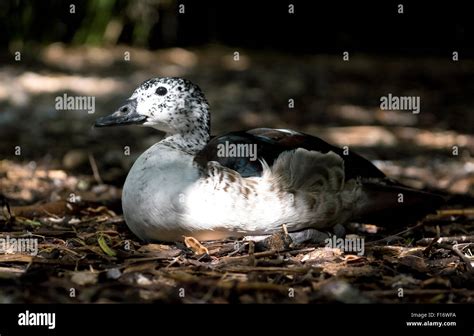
(270,143)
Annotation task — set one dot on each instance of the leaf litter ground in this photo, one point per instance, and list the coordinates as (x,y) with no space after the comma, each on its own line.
(86,253)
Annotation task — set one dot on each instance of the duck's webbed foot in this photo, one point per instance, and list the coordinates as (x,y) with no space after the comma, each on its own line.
(281,240)
(313,236)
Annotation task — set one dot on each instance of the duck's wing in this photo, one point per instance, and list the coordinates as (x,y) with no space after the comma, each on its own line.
(270,143)
(387,201)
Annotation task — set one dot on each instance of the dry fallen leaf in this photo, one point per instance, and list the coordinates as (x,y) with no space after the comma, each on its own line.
(160,250)
(414,263)
(83,278)
(322,255)
(11,272)
(351,258)
(101,210)
(103,245)
(195,245)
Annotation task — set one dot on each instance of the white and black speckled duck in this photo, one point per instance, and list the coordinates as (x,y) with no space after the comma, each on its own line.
(184,185)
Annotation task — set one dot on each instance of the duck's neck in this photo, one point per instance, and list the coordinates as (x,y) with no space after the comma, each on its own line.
(189,142)
(189,130)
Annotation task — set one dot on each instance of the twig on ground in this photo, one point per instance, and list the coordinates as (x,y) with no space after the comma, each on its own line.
(251,253)
(455,212)
(397,235)
(448,240)
(469,261)
(427,250)
(240,249)
(95,169)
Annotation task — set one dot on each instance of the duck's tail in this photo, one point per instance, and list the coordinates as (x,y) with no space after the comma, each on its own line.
(392,203)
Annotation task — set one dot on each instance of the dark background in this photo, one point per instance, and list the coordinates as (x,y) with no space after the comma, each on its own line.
(425,28)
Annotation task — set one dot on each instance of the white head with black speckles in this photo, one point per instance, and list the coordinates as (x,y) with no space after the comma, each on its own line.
(177,107)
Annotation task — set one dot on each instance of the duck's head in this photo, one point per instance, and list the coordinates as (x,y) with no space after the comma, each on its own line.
(170,104)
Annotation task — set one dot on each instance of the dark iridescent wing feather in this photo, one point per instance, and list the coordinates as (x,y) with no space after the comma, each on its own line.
(271,143)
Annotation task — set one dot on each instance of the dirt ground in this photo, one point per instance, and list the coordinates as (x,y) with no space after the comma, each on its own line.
(63,189)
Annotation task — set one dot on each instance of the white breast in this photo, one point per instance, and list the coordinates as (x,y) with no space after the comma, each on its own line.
(152,193)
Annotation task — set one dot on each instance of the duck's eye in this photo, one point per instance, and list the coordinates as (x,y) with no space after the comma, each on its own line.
(161,91)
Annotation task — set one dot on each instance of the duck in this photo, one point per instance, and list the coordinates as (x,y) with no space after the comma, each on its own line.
(244,183)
